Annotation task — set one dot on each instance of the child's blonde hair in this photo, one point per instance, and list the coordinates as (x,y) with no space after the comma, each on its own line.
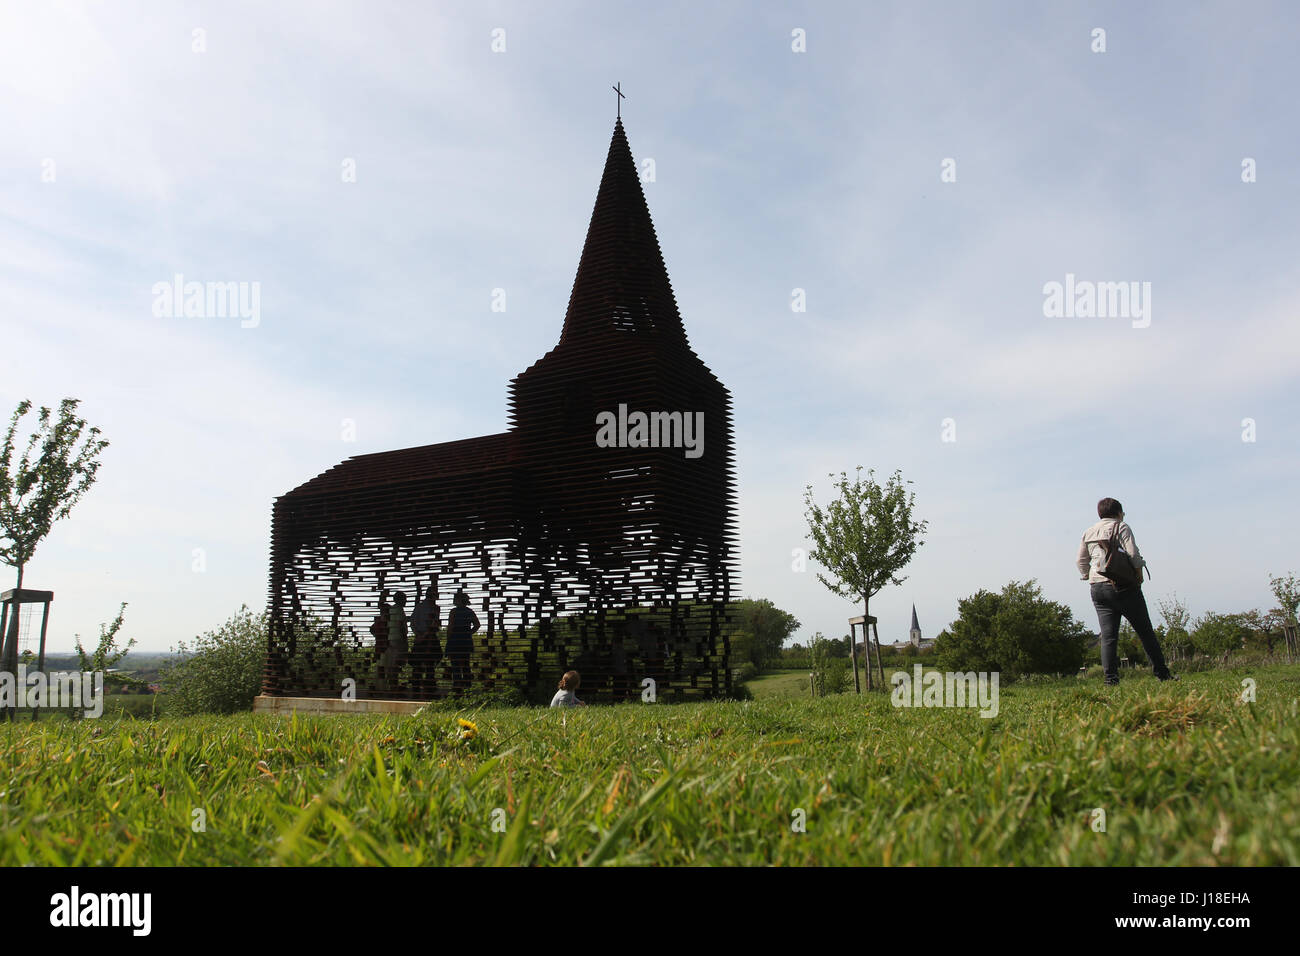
(570,680)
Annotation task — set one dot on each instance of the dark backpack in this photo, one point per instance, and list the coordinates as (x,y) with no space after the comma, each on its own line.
(1116,564)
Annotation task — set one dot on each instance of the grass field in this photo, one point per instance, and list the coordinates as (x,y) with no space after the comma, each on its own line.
(1186,773)
(780,684)
(794,683)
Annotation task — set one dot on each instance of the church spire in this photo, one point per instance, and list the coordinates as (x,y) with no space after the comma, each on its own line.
(915,626)
(622,284)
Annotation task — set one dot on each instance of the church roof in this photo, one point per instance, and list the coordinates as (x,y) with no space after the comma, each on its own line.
(915,626)
(622,282)
(467,456)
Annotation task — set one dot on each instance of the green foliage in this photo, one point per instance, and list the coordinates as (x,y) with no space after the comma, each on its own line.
(836,648)
(681,785)
(1175,639)
(865,536)
(794,656)
(324,659)
(1287,591)
(476,697)
(830,671)
(41,488)
(142,706)
(1015,632)
(224,673)
(740,692)
(1218,635)
(1261,631)
(741,644)
(106,653)
(760,628)
(1130,646)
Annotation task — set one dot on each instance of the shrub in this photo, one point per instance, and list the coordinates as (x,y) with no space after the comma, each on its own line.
(740,692)
(745,672)
(1218,635)
(1129,645)
(223,673)
(830,673)
(1016,632)
(477,697)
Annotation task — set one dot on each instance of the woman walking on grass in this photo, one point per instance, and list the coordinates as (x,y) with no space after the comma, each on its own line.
(1112,601)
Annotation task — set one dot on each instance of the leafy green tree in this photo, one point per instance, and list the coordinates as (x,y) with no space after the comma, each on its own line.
(969,644)
(41,488)
(106,654)
(1173,633)
(1015,632)
(224,670)
(766,624)
(1218,635)
(1287,591)
(742,648)
(1262,629)
(836,649)
(863,539)
(1130,646)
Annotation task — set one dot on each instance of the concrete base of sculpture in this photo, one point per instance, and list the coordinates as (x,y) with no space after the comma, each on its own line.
(263,704)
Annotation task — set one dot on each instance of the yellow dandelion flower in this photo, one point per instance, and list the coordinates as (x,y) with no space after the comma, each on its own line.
(468,728)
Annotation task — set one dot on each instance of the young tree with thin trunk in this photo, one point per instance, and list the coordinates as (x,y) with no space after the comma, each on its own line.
(56,469)
(1287,591)
(863,539)
(1175,635)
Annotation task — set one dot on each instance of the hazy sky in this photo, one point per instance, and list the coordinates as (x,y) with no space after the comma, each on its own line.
(135,149)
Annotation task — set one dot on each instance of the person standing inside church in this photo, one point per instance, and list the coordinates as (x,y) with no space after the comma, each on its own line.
(379,628)
(395,655)
(426,650)
(1113,602)
(462,625)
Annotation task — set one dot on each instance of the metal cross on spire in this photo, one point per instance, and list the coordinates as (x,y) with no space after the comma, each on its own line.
(620,99)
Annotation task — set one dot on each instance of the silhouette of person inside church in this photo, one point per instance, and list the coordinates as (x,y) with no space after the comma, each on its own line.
(395,653)
(462,625)
(426,652)
(379,627)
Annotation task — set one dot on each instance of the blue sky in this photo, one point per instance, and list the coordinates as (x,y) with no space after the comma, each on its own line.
(774,170)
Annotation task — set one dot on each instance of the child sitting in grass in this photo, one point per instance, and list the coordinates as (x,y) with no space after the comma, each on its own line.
(567,695)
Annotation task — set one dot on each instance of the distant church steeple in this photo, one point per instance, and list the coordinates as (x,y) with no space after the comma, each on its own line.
(915,635)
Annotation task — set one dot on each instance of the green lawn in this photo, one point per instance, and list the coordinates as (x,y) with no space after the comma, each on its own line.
(780,684)
(794,683)
(1185,772)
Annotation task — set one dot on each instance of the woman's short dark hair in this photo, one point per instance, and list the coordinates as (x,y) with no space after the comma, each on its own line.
(1109,508)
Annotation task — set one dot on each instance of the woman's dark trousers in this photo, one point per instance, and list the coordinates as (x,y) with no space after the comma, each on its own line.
(1112,603)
